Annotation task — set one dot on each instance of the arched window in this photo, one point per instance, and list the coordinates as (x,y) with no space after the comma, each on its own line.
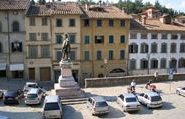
(154,64)
(154,48)
(164,48)
(132,64)
(144,48)
(1,48)
(163,63)
(133,48)
(173,63)
(1,27)
(144,64)
(15,26)
(173,48)
(182,47)
(182,63)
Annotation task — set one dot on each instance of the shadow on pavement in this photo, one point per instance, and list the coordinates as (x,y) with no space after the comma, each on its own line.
(167,106)
(70,113)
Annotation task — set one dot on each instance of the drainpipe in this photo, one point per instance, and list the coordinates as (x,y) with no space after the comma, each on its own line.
(9,49)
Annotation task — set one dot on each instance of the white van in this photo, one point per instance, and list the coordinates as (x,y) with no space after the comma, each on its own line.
(52,107)
(34,96)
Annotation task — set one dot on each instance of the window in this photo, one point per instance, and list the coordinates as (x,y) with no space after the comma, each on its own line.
(163,48)
(111,39)
(154,48)
(98,55)
(163,63)
(122,54)
(59,22)
(16,46)
(144,64)
(111,23)
(15,26)
(182,47)
(44,37)
(182,36)
(133,35)
(32,36)
(154,36)
(1,48)
(59,39)
(173,48)
(173,63)
(164,36)
(45,51)
(99,39)
(111,55)
(144,48)
(154,64)
(86,22)
(44,21)
(174,36)
(132,64)
(58,55)
(122,39)
(99,23)
(73,55)
(144,36)
(72,22)
(32,21)
(86,39)
(133,48)
(72,38)
(33,52)
(122,23)
(1,27)
(86,55)
(181,63)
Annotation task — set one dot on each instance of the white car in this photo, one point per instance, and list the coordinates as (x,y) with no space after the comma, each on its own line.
(34,96)
(128,102)
(150,99)
(180,91)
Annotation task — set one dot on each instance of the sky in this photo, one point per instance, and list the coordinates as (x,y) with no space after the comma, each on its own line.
(178,5)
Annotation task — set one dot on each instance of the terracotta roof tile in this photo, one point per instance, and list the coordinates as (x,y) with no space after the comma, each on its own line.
(14,4)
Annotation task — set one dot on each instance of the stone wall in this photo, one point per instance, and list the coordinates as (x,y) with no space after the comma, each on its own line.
(119,81)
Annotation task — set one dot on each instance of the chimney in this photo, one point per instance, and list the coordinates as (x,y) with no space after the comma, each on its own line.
(143,19)
(100,2)
(53,0)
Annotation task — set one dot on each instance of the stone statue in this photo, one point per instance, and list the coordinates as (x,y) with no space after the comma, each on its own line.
(66,48)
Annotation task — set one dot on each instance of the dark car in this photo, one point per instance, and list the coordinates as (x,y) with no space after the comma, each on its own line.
(11,97)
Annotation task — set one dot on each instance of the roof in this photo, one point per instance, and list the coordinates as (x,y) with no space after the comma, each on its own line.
(98,99)
(105,12)
(29,83)
(180,17)
(14,4)
(52,98)
(156,25)
(54,9)
(152,93)
(10,93)
(33,90)
(127,95)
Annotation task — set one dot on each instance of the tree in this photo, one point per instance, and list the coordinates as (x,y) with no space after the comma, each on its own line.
(32,2)
(42,2)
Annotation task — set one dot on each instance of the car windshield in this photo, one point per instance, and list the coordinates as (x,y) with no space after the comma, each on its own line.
(156,98)
(131,99)
(51,106)
(101,104)
(32,96)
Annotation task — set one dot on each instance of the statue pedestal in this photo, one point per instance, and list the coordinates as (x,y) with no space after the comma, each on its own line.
(66,86)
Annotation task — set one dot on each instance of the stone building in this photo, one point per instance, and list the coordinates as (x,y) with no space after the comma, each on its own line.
(12,38)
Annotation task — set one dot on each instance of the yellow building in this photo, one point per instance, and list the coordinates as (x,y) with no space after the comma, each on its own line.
(104,33)
(46,26)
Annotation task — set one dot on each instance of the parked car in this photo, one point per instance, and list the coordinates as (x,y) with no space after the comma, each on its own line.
(150,99)
(11,97)
(3,117)
(52,107)
(97,105)
(128,102)
(34,96)
(180,91)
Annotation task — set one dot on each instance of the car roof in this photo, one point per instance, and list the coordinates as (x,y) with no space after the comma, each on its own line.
(52,98)
(29,83)
(33,91)
(152,93)
(128,95)
(98,98)
(10,93)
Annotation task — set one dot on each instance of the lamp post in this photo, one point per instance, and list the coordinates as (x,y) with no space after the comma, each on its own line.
(105,66)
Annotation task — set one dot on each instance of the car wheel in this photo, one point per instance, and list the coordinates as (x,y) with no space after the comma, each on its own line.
(178,92)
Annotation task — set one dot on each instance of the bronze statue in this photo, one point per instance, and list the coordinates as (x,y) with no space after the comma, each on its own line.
(66,48)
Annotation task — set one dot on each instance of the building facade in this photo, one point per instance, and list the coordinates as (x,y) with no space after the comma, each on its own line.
(156,45)
(12,38)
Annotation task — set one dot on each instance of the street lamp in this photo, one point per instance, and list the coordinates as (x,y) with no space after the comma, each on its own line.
(105,66)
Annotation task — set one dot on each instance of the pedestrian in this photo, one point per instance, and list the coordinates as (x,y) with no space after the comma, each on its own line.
(133,85)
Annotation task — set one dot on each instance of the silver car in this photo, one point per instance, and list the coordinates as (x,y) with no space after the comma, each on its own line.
(180,91)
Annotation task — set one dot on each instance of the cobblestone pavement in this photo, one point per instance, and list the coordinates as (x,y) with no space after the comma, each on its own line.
(173,107)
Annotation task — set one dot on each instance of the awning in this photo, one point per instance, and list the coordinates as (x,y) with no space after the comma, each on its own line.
(2,66)
(16,67)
